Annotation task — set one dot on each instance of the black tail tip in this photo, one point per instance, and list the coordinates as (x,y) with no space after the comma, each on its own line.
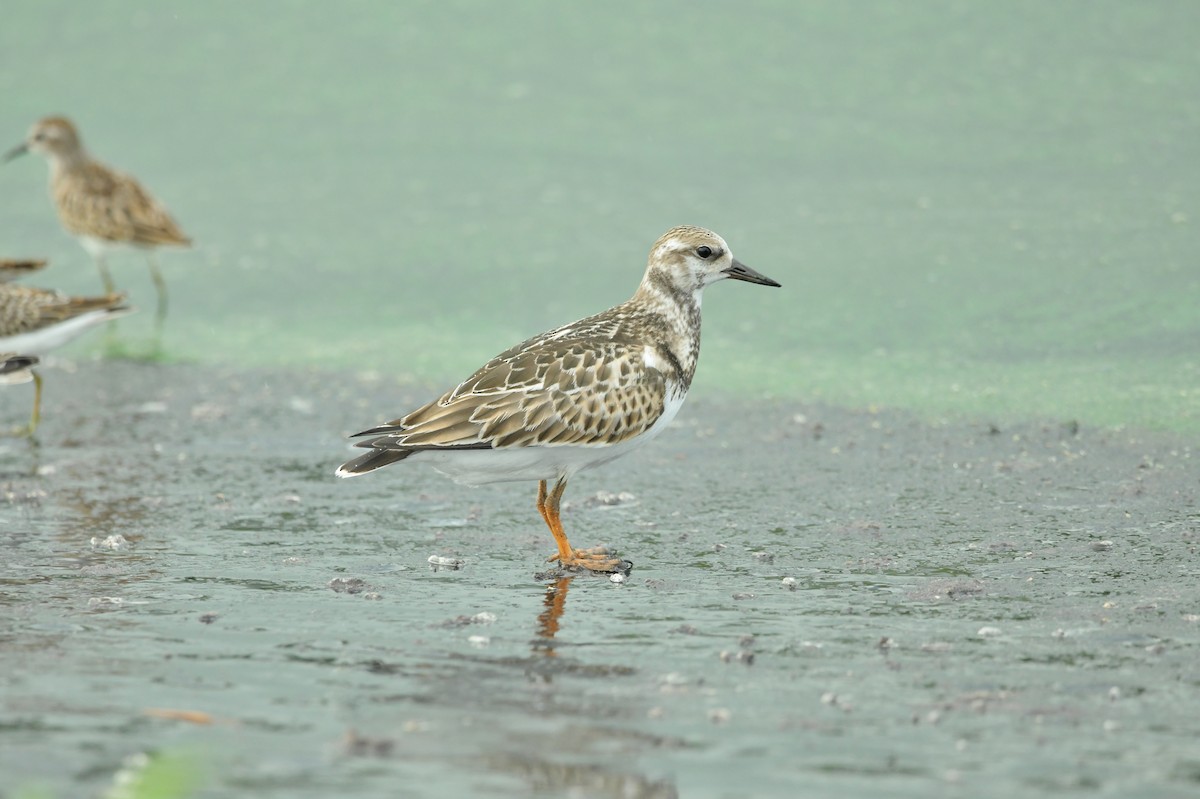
(375,459)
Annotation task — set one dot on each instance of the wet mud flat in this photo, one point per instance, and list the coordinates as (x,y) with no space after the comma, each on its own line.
(824,601)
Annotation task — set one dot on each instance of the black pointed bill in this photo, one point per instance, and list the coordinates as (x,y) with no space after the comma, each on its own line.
(20,149)
(739,271)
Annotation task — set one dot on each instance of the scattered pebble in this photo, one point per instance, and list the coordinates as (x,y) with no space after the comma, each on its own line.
(19,497)
(437,562)
(208,412)
(602,499)
(465,621)
(833,700)
(617,578)
(105,601)
(153,406)
(347,585)
(764,557)
(114,543)
(478,641)
(447,523)
(789,583)
(372,595)
(208,618)
(1102,546)
(301,405)
(719,715)
(988,632)
(745,595)
(362,746)
(1114,694)
(1111,725)
(741,656)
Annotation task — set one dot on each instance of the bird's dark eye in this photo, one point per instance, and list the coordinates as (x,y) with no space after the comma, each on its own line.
(704,251)
(39,136)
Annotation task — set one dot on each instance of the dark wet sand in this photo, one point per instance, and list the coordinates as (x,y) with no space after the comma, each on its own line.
(824,601)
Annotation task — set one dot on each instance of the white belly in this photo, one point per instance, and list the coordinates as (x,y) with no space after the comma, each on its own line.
(98,248)
(42,340)
(479,466)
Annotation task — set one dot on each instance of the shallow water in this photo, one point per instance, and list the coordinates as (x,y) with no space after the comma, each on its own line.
(980,610)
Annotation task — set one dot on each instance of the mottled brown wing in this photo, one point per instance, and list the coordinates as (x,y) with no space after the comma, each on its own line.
(550,392)
(25,308)
(20,308)
(61,307)
(101,202)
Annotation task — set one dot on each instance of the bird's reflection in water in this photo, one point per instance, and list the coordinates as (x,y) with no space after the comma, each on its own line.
(548,620)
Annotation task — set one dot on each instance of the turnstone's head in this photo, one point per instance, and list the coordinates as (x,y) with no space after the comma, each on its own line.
(689,258)
(54,137)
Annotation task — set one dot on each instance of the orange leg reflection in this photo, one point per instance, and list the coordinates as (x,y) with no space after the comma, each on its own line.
(556,602)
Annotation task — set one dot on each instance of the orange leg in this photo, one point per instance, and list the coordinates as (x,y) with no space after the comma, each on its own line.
(541,502)
(596,559)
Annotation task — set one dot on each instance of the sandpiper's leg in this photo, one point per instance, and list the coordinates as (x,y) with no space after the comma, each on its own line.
(596,559)
(161,286)
(36,416)
(110,329)
(105,275)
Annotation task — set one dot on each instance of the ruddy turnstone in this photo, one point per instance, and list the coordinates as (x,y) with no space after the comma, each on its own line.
(34,321)
(16,369)
(575,397)
(103,208)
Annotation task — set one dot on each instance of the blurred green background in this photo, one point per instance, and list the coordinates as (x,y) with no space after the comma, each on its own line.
(976,209)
